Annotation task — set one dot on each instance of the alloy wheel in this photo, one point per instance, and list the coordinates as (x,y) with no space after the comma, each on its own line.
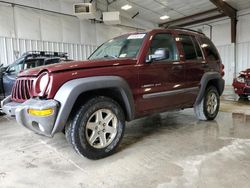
(101,128)
(212,103)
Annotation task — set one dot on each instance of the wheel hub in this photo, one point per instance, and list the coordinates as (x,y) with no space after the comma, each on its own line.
(101,128)
(212,103)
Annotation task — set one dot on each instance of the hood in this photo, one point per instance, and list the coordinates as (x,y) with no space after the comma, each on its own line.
(245,73)
(65,66)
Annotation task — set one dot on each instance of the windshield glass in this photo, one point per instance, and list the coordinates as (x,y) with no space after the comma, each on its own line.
(16,66)
(126,46)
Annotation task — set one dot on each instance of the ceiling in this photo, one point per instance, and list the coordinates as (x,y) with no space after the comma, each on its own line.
(151,10)
(239,4)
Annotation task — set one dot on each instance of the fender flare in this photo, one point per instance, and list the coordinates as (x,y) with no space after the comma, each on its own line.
(70,91)
(220,82)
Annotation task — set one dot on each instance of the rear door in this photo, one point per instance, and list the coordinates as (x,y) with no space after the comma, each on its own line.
(211,54)
(195,65)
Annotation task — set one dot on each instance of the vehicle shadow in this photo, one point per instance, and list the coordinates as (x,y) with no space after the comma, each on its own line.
(244,100)
(173,128)
(143,128)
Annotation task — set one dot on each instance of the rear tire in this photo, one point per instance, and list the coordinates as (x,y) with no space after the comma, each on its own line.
(209,105)
(97,128)
(242,96)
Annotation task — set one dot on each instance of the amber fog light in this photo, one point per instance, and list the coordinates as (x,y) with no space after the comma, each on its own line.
(45,112)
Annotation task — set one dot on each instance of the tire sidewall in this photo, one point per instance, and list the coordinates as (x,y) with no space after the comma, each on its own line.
(210,90)
(79,135)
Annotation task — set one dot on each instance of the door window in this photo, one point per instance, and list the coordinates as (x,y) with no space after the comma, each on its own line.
(190,47)
(197,48)
(32,63)
(164,41)
(52,61)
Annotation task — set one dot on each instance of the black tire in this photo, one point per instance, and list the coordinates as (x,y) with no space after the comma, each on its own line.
(77,133)
(201,110)
(67,131)
(242,96)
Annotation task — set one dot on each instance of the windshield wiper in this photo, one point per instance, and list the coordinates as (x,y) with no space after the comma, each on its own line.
(110,56)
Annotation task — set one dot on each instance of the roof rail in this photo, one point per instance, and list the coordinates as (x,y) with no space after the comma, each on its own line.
(186,29)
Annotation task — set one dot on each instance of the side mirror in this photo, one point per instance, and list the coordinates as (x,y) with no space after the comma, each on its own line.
(160,54)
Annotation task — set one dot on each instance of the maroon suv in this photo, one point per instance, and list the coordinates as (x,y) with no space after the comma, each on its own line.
(128,77)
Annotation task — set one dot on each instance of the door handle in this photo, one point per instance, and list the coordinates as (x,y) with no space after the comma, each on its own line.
(177,67)
(205,65)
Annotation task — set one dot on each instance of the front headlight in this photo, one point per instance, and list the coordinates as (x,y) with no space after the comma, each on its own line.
(41,83)
(240,79)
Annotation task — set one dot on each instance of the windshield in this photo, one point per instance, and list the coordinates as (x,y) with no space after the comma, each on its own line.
(126,46)
(16,67)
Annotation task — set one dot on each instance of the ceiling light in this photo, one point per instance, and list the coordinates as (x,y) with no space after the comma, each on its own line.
(164,17)
(126,7)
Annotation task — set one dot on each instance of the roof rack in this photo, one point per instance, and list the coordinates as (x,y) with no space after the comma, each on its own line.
(186,29)
(45,54)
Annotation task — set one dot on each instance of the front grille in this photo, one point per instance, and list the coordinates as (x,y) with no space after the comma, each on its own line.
(21,91)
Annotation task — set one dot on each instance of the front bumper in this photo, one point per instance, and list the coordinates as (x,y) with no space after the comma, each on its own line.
(39,124)
(241,88)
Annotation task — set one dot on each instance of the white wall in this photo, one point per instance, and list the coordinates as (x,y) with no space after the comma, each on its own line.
(34,26)
(222,39)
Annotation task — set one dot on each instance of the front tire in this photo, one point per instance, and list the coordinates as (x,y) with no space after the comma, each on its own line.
(97,128)
(209,106)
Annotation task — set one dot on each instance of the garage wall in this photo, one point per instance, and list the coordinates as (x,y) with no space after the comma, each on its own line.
(23,29)
(221,36)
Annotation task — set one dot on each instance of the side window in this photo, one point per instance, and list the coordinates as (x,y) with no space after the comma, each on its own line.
(210,49)
(52,61)
(32,63)
(188,47)
(164,41)
(197,48)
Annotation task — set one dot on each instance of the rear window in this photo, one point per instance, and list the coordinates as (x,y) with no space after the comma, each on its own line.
(210,49)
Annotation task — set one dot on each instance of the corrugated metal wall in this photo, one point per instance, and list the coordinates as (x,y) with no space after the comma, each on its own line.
(242,59)
(243,56)
(12,48)
(227,57)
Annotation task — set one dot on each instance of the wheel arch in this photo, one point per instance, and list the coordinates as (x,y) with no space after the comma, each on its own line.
(208,79)
(114,93)
(77,91)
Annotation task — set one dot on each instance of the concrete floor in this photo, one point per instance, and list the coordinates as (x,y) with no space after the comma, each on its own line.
(168,150)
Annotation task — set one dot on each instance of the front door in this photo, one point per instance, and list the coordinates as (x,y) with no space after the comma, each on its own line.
(162,82)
